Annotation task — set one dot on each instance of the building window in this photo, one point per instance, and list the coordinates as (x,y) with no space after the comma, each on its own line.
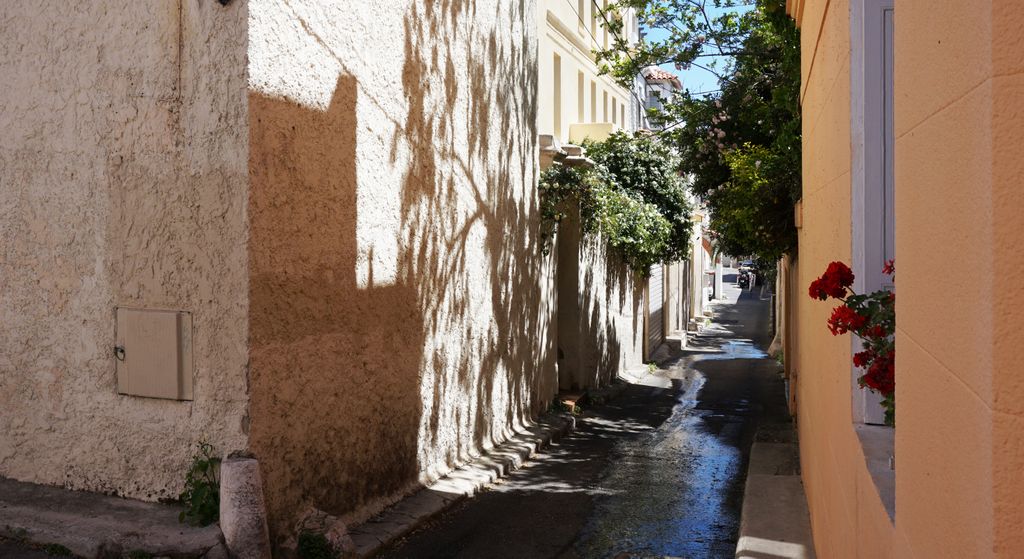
(614,111)
(604,8)
(581,8)
(622,115)
(593,101)
(580,103)
(872,181)
(604,108)
(557,97)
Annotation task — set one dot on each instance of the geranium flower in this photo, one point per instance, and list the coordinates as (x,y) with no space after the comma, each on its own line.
(889,268)
(844,319)
(863,358)
(833,283)
(875,331)
(881,376)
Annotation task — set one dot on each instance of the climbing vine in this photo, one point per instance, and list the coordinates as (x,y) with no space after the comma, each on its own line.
(633,197)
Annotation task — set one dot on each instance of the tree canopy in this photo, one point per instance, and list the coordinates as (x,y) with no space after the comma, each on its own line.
(740,144)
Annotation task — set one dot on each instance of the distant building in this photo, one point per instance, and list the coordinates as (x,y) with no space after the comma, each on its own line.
(659,86)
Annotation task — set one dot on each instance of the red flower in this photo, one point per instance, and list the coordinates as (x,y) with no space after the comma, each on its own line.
(875,331)
(881,375)
(863,358)
(817,290)
(889,268)
(840,273)
(833,283)
(844,319)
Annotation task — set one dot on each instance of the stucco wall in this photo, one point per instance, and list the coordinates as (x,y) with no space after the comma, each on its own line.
(611,315)
(847,515)
(959,435)
(122,182)
(399,321)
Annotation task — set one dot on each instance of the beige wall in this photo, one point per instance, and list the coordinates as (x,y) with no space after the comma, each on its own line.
(399,322)
(840,492)
(959,437)
(612,314)
(122,182)
(356,237)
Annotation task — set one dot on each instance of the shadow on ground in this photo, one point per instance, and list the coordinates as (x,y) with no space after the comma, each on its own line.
(657,472)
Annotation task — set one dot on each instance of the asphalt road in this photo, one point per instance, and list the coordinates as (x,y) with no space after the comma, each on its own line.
(658,472)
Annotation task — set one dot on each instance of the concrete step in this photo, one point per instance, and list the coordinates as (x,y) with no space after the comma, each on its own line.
(93,525)
(775,520)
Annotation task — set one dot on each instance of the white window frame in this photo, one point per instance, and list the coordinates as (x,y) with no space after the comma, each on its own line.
(872,141)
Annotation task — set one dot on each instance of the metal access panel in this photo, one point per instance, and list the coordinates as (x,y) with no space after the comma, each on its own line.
(154,353)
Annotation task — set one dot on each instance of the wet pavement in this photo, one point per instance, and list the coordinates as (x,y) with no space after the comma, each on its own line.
(657,472)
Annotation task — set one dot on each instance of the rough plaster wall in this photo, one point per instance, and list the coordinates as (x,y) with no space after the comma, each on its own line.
(122,182)
(611,314)
(399,321)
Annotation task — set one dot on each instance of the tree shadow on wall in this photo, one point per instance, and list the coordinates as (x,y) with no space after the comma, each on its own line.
(471,225)
(356,391)
(334,404)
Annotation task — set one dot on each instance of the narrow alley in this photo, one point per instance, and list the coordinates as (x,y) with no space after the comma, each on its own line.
(656,472)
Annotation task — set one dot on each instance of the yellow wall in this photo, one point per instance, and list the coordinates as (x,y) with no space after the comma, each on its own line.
(960,436)
(561,34)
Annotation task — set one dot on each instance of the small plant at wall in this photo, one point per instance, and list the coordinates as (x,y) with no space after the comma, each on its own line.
(872,318)
(314,545)
(201,495)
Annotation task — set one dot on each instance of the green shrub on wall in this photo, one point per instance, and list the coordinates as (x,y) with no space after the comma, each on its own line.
(646,169)
(633,197)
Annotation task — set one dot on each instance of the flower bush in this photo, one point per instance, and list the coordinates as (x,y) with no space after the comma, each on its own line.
(872,318)
(634,197)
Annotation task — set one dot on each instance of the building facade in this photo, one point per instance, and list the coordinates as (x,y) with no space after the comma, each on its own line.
(227,223)
(573,96)
(912,126)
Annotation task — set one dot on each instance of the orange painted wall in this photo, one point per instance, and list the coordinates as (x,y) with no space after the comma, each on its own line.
(843,501)
(959,125)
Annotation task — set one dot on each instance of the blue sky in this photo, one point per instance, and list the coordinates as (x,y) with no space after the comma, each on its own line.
(696,79)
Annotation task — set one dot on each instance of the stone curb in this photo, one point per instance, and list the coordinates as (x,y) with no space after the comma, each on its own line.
(775,521)
(404,516)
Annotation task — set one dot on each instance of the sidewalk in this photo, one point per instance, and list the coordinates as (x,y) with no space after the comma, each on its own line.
(776,522)
(93,525)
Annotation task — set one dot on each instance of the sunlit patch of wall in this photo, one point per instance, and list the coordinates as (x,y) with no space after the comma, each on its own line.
(400,303)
